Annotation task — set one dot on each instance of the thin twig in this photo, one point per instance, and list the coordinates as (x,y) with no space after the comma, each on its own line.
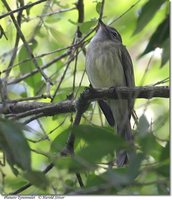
(29,50)
(24,187)
(101,10)
(22,8)
(38,56)
(132,6)
(36,70)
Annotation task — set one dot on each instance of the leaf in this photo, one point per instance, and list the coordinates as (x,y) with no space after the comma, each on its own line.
(115,177)
(95,135)
(98,7)
(150,146)
(86,26)
(28,66)
(134,165)
(164,169)
(143,126)
(165,153)
(59,37)
(147,13)
(158,37)
(163,188)
(37,178)
(60,141)
(161,120)
(14,144)
(97,143)
(165,52)
(72,22)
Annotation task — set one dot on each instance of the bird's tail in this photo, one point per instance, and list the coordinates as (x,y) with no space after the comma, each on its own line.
(122,155)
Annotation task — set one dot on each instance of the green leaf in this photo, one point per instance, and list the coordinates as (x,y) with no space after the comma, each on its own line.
(94,180)
(147,13)
(149,145)
(96,143)
(14,144)
(165,52)
(134,165)
(114,177)
(60,141)
(28,66)
(164,169)
(160,121)
(165,153)
(158,37)
(163,188)
(86,26)
(72,22)
(143,126)
(58,36)
(98,7)
(37,178)
(95,135)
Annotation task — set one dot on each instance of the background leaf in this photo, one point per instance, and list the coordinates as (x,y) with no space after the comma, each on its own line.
(147,13)
(37,178)
(159,37)
(14,144)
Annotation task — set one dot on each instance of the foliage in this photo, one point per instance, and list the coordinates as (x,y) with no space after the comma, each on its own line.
(57,38)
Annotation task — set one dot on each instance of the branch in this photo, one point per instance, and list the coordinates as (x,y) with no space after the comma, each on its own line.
(101,10)
(29,50)
(24,109)
(22,8)
(24,187)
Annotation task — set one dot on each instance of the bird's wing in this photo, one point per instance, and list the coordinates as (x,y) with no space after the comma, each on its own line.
(107,112)
(128,72)
(127,66)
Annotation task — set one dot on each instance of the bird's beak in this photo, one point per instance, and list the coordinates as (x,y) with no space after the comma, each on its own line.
(100,25)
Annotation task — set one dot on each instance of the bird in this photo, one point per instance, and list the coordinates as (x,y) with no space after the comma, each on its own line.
(108,64)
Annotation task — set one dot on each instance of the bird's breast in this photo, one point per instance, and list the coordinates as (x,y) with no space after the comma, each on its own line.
(103,65)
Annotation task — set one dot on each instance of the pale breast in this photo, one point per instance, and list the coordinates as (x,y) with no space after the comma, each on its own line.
(103,65)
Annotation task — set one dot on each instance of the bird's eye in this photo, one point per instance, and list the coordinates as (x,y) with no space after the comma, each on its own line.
(114,33)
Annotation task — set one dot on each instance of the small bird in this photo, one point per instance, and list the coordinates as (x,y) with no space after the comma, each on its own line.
(108,64)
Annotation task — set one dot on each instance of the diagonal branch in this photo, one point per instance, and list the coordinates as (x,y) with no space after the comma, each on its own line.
(22,8)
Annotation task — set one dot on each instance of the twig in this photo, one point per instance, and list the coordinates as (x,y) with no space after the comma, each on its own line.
(132,6)
(80,8)
(71,58)
(102,8)
(24,187)
(36,70)
(29,50)
(22,8)
(162,81)
(55,12)
(19,18)
(38,56)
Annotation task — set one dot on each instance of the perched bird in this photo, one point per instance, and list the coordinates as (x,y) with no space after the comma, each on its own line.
(108,64)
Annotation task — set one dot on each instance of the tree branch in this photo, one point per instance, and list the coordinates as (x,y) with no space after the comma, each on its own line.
(24,109)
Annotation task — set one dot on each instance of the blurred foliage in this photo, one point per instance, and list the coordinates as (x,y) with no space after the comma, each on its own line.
(49,28)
